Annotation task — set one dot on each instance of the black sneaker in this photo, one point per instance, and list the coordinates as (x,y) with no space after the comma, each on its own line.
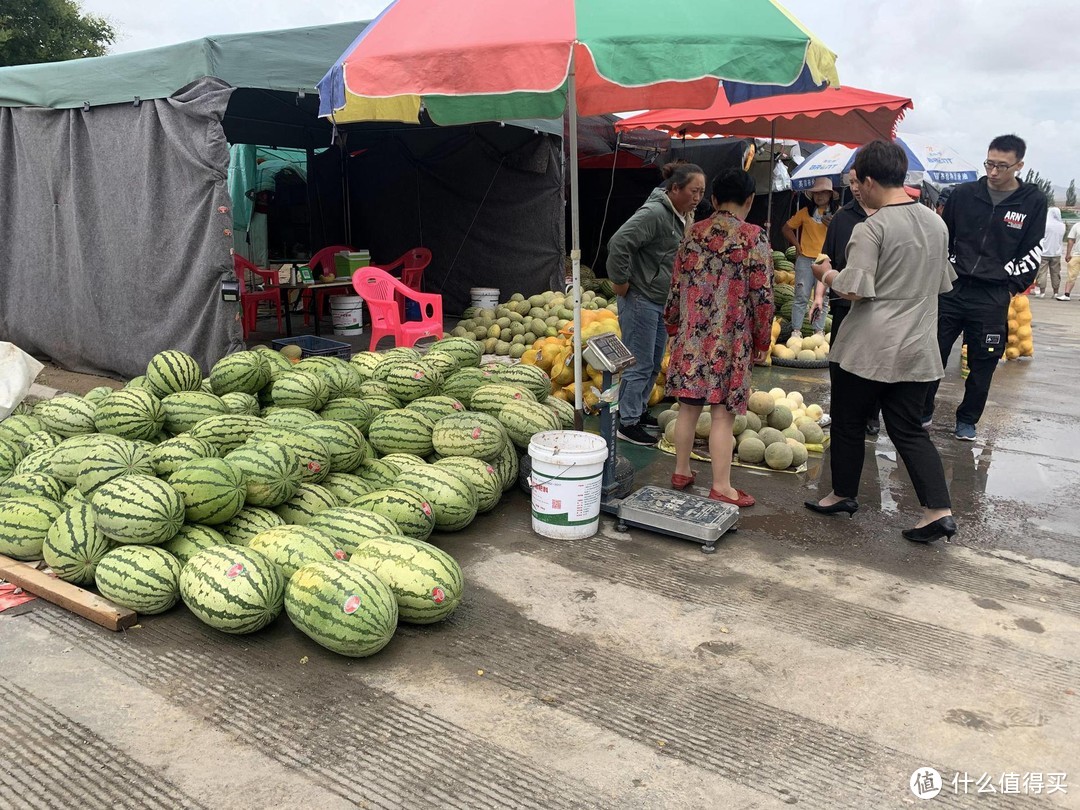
(636,434)
(648,420)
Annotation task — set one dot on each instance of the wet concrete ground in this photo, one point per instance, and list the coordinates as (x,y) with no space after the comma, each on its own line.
(812,661)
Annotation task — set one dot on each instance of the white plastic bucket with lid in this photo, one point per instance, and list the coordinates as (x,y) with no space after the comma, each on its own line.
(566,482)
(347,313)
(485,297)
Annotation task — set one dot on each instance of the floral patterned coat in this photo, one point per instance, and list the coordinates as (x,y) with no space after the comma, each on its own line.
(722,305)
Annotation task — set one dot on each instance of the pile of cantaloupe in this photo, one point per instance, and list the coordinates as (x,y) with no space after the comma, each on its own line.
(809,349)
(775,431)
(1019,342)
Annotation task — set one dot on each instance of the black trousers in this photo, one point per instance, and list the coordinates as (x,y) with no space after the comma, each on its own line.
(981,313)
(853,401)
(840,308)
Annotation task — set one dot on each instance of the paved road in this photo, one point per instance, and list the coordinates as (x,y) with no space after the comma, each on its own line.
(813,662)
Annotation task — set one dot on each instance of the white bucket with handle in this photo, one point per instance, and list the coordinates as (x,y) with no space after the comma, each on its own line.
(484,297)
(566,482)
(347,312)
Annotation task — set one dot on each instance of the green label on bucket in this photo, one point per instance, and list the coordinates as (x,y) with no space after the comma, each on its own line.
(562,520)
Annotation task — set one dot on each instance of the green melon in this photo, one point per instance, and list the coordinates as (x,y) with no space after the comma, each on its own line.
(212,489)
(74,545)
(233,589)
(143,578)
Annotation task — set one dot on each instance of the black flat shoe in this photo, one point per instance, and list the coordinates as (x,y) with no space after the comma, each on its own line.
(848,505)
(942,527)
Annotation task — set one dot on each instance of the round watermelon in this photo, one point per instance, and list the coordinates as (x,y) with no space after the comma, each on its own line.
(271,472)
(138,509)
(172,371)
(74,545)
(212,489)
(143,578)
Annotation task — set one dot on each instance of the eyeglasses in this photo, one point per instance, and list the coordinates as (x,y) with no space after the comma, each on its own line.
(1001,167)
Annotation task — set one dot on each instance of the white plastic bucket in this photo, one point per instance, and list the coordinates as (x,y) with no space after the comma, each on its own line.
(485,297)
(566,482)
(347,314)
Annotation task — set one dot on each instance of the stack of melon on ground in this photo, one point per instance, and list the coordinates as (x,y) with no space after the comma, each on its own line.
(775,431)
(1019,342)
(784,265)
(312,486)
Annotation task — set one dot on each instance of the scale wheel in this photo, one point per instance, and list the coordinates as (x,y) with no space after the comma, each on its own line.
(622,527)
(709,548)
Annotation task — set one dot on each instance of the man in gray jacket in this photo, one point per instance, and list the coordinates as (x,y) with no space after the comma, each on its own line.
(641,256)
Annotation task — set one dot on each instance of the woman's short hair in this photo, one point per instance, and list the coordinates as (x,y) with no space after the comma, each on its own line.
(733,185)
(885,161)
(678,173)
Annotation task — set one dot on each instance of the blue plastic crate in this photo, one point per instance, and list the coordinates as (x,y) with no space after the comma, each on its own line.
(312,346)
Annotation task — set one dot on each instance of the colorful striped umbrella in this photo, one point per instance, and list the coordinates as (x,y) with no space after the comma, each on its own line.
(491,60)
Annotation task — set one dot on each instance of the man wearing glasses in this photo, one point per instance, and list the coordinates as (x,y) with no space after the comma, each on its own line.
(996,226)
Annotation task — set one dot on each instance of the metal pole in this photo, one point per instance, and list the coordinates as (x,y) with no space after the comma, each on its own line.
(575,241)
(772,157)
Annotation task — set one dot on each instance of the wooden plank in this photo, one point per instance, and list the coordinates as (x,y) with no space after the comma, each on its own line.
(77,600)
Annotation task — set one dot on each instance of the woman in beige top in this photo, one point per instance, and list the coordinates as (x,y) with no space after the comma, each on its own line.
(897,264)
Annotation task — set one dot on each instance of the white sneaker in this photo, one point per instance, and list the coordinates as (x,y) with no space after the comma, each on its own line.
(1039,295)
(1062,297)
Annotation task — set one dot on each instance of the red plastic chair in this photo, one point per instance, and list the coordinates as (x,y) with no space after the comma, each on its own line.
(249,300)
(412,264)
(380,291)
(322,262)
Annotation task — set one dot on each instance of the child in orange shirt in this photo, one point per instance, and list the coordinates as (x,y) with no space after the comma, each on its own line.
(812,224)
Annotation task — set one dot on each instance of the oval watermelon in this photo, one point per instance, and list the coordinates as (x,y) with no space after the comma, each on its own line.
(426,581)
(233,589)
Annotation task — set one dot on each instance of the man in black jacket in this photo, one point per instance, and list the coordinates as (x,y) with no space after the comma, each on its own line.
(996,225)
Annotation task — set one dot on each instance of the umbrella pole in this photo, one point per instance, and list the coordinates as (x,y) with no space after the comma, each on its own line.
(772,157)
(575,240)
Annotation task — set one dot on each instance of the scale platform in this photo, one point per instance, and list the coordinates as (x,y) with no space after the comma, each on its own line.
(679,514)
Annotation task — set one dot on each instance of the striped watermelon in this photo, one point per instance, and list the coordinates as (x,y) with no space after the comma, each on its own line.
(391,357)
(184,410)
(72,498)
(228,431)
(346,444)
(345,526)
(36,461)
(289,547)
(143,578)
(406,507)
(244,371)
(110,461)
(435,407)
(10,456)
(71,452)
(377,388)
(345,608)
(306,502)
(95,395)
(491,398)
(481,474)
(506,464)
(426,581)
(16,428)
(378,472)
(532,378)
(381,404)
(41,440)
(137,384)
(213,490)
(172,371)
(404,461)
(347,488)
(342,379)
(349,409)
(301,389)
(461,384)
(316,364)
(289,418)
(271,472)
(138,509)
(451,495)
(233,589)
(442,362)
(66,416)
(524,419)
(469,434)
(23,408)
(40,484)
(247,523)
(313,454)
(239,402)
(74,545)
(24,522)
(409,379)
(466,351)
(276,361)
(365,363)
(131,413)
(191,539)
(401,431)
(562,409)
(171,453)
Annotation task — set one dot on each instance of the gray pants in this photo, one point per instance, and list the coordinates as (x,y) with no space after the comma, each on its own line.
(1053,264)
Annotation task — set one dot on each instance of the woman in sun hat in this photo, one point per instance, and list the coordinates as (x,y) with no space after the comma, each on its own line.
(811,222)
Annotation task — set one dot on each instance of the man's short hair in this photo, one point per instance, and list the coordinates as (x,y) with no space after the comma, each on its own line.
(884,161)
(1009,143)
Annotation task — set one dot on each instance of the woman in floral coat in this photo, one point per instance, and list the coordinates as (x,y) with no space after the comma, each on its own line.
(720,312)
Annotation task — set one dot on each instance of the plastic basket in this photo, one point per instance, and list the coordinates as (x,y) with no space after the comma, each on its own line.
(312,346)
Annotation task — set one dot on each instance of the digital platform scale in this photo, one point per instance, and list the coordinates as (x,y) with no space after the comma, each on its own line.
(667,511)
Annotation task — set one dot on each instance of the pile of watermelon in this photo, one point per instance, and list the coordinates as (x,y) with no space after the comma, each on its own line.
(312,486)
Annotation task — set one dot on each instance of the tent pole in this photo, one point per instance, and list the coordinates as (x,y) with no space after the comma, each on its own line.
(575,240)
(772,157)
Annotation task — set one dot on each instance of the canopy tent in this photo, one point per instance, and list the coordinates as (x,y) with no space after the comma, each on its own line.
(130,234)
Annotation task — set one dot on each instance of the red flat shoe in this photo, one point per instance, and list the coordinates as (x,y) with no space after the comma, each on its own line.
(743,500)
(681,481)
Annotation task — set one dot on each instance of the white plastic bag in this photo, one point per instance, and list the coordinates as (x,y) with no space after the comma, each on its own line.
(18,370)
(781,180)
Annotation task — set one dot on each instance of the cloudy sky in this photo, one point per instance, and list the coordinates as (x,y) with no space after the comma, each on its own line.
(974,68)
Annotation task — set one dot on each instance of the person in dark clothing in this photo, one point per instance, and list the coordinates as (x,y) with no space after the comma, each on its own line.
(836,242)
(996,226)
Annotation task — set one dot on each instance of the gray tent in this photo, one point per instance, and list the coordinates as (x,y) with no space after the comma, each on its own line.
(115,215)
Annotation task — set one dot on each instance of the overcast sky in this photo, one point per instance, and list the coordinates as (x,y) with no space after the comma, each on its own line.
(974,68)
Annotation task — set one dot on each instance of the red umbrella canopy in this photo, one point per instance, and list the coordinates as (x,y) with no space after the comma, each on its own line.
(844,115)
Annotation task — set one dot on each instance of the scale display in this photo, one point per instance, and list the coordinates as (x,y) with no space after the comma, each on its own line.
(608,353)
